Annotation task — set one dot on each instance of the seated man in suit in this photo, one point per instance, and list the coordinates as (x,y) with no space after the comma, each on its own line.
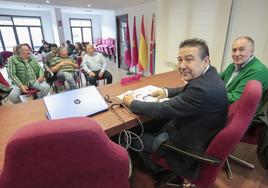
(245,67)
(94,65)
(194,113)
(25,72)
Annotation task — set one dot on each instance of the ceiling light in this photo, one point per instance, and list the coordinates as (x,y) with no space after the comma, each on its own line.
(47,1)
(89,5)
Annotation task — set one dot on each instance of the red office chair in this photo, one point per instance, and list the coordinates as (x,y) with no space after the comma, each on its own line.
(5,88)
(239,117)
(3,80)
(255,134)
(5,55)
(69,153)
(31,92)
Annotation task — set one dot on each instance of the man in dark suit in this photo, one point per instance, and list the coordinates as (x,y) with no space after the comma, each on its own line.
(195,112)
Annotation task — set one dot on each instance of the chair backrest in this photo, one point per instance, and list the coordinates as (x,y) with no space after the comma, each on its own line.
(6,55)
(240,116)
(3,80)
(71,152)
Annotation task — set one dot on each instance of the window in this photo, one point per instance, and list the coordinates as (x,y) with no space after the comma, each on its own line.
(81,30)
(16,30)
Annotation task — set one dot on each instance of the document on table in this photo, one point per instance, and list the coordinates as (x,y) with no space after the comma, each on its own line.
(143,94)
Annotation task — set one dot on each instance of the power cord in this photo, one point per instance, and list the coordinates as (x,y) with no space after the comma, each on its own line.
(126,137)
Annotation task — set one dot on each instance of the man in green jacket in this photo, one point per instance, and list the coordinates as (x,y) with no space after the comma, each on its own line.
(245,67)
(25,72)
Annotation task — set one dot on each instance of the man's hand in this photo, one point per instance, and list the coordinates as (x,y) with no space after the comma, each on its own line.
(91,74)
(101,74)
(160,94)
(40,79)
(24,88)
(64,63)
(127,99)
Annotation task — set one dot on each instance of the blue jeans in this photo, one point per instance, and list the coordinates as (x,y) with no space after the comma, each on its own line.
(43,88)
(69,77)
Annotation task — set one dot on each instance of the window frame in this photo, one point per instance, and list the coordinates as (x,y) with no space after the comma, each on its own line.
(15,30)
(81,29)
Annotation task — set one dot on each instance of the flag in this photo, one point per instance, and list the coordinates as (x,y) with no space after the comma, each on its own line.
(143,51)
(127,48)
(152,46)
(135,54)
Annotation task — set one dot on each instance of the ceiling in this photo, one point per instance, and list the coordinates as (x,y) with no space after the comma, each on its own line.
(95,4)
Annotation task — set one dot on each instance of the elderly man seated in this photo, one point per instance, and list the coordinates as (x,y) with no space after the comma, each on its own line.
(191,117)
(94,65)
(25,72)
(65,68)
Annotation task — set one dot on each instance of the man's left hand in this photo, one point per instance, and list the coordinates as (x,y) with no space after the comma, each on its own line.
(40,79)
(127,99)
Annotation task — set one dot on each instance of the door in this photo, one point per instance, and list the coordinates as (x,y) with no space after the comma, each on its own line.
(121,25)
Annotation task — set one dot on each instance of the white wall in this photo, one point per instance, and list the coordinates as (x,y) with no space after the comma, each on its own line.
(249,18)
(96,24)
(108,26)
(182,19)
(45,18)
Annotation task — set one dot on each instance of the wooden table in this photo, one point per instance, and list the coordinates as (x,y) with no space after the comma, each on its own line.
(16,116)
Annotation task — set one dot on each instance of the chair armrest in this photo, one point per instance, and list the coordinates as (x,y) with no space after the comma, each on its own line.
(192,154)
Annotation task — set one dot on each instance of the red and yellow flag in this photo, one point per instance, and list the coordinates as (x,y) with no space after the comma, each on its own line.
(143,51)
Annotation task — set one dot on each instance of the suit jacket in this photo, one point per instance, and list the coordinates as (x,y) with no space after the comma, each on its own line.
(196,111)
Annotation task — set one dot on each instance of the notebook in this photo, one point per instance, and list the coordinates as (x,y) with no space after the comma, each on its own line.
(75,103)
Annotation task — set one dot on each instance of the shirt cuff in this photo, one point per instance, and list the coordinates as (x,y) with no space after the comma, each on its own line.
(166,92)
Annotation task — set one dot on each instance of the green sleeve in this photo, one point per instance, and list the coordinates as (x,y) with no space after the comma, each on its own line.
(11,69)
(41,71)
(234,94)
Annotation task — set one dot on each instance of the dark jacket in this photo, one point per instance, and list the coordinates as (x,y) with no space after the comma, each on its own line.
(197,112)
(262,122)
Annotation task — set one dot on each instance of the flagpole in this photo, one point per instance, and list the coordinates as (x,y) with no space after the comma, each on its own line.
(135,53)
(128,50)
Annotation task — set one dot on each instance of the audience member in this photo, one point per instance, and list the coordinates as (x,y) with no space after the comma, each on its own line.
(94,65)
(70,48)
(194,113)
(65,68)
(25,73)
(46,47)
(79,50)
(50,77)
(245,67)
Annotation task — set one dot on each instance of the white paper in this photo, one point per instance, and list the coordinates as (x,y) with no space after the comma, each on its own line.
(143,94)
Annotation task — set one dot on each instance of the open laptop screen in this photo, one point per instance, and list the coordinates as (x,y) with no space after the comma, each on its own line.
(75,103)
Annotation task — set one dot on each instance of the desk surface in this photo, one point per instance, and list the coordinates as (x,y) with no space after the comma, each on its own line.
(16,116)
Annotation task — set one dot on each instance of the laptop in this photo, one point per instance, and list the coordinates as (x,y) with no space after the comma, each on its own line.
(75,103)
